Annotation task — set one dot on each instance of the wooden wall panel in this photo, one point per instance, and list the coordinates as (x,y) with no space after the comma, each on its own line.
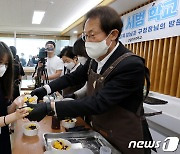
(154,63)
(138,49)
(141,49)
(176,68)
(159,65)
(178,88)
(134,48)
(170,64)
(149,55)
(164,65)
(146,51)
(163,60)
(131,47)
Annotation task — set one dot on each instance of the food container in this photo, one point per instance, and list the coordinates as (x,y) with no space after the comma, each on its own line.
(61,144)
(69,123)
(71,151)
(30,99)
(30,128)
(79,140)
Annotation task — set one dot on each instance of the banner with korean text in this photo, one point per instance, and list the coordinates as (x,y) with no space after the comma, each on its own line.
(159,19)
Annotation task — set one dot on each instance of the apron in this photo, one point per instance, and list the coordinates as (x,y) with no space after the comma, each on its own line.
(117,125)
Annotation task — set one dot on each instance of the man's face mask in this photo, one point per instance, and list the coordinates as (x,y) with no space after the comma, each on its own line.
(50,49)
(82,60)
(70,65)
(3,69)
(97,49)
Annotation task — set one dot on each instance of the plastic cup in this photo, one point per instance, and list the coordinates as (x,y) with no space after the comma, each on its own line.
(105,150)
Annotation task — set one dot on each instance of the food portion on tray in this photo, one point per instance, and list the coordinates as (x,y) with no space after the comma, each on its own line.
(71,151)
(60,144)
(84,139)
(30,99)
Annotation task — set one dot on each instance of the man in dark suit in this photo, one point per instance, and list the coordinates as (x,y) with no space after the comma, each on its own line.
(115,81)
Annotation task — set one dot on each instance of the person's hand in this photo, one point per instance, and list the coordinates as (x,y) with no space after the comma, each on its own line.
(40,64)
(39,92)
(38,113)
(43,77)
(19,101)
(21,113)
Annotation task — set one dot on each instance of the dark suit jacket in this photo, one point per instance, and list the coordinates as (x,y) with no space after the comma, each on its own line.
(124,87)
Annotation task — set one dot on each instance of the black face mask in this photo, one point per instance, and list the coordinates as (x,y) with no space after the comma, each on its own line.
(50,49)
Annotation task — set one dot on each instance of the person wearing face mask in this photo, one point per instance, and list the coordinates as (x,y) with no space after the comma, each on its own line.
(54,64)
(115,80)
(80,50)
(71,64)
(18,73)
(8,112)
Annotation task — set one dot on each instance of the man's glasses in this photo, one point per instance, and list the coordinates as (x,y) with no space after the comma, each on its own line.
(91,36)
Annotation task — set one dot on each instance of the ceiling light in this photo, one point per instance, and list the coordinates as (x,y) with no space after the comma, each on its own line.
(32,35)
(75,32)
(51,2)
(37,17)
(81,12)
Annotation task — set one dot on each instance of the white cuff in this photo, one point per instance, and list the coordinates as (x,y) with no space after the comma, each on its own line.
(55,113)
(48,89)
(81,92)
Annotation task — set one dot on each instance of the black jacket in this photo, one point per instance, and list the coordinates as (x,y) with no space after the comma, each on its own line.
(124,87)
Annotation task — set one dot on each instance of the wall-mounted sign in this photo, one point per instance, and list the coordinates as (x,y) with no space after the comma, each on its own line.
(159,19)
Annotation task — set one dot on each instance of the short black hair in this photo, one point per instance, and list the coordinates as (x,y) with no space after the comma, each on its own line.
(51,42)
(109,19)
(68,52)
(79,48)
(13,50)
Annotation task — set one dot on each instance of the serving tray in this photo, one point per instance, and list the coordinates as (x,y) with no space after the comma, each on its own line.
(83,139)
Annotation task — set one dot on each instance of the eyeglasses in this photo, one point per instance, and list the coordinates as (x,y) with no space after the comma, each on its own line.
(91,36)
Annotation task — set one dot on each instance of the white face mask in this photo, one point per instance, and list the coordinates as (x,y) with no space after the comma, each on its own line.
(3,69)
(97,49)
(82,60)
(69,66)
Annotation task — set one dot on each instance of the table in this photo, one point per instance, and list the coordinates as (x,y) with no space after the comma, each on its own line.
(25,84)
(28,72)
(34,145)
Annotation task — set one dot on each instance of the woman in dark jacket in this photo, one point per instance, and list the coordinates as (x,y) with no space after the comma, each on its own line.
(18,73)
(7,109)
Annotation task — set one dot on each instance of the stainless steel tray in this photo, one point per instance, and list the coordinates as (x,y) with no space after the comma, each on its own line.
(83,139)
